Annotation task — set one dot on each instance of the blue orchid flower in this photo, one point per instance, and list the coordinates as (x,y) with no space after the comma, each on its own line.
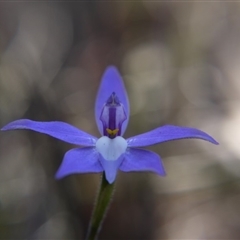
(111,152)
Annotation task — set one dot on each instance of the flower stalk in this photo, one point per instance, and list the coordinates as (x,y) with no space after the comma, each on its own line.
(103,200)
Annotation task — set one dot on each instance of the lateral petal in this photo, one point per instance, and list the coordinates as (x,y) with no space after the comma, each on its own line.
(111,82)
(59,130)
(142,160)
(79,160)
(168,133)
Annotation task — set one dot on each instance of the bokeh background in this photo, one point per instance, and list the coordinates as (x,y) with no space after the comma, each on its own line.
(180,62)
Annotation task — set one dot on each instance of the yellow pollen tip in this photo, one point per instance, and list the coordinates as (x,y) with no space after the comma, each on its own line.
(112,132)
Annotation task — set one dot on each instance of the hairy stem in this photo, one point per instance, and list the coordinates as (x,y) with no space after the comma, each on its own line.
(103,200)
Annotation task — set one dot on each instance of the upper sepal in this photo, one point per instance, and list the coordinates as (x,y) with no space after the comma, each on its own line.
(168,133)
(111,82)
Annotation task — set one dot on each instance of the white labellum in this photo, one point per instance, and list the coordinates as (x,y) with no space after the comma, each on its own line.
(111,149)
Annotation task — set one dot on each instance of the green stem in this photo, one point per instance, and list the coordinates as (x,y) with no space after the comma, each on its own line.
(102,203)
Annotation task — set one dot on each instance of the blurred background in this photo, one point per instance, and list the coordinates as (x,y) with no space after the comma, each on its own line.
(180,62)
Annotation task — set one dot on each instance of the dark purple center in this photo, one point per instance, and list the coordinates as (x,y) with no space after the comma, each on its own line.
(112,116)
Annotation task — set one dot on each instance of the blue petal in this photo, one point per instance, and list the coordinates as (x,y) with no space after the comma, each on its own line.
(79,160)
(111,82)
(111,167)
(142,160)
(167,133)
(59,130)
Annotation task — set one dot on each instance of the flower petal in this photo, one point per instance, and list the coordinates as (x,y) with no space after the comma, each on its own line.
(111,82)
(59,130)
(111,149)
(111,167)
(142,160)
(111,153)
(79,160)
(167,133)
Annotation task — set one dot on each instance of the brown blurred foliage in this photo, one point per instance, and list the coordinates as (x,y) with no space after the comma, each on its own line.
(180,63)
